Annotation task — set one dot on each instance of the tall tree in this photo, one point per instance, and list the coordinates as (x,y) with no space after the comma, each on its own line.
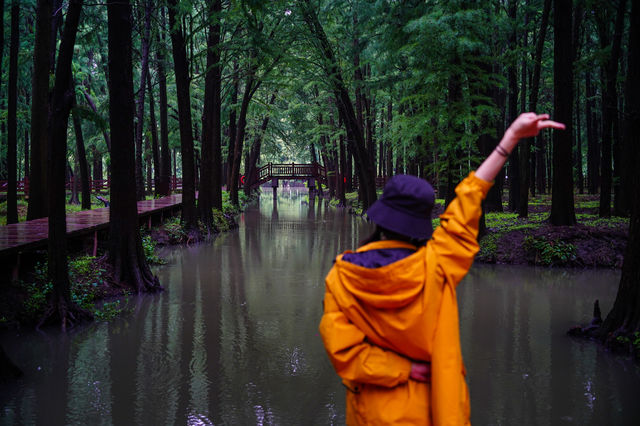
(12,120)
(593,151)
(562,208)
(1,75)
(82,157)
(535,83)
(153,125)
(624,318)
(514,159)
(622,179)
(254,154)
(210,194)
(62,309)
(345,107)
(181,68)
(130,267)
(609,99)
(144,71)
(40,112)
(163,187)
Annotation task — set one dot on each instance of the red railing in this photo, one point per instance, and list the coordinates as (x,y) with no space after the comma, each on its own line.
(97,185)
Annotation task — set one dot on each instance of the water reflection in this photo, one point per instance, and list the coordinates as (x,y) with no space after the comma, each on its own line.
(234,339)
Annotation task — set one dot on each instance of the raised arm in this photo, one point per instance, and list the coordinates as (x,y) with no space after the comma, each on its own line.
(526,125)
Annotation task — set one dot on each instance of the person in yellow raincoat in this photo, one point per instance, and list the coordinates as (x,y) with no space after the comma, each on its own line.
(390,322)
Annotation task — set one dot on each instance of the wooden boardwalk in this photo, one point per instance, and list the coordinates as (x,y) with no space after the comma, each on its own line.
(22,236)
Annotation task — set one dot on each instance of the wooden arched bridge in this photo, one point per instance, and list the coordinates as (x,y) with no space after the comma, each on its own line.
(294,171)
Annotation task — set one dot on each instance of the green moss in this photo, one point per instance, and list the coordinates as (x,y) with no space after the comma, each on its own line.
(489,246)
(602,222)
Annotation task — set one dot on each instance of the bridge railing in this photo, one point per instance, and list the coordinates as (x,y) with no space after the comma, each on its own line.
(289,171)
(96,185)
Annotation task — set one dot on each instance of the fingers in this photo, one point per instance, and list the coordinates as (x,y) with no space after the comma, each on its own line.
(550,124)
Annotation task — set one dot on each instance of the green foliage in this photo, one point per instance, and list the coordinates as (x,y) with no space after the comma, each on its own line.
(489,246)
(220,221)
(550,252)
(88,282)
(110,310)
(175,231)
(37,296)
(149,247)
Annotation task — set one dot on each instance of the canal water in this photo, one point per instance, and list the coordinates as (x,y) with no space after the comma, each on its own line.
(233,339)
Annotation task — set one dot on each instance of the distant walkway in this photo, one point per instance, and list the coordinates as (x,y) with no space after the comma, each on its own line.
(30,234)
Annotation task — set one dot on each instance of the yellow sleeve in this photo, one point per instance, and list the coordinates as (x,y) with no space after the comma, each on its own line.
(448,389)
(455,240)
(355,359)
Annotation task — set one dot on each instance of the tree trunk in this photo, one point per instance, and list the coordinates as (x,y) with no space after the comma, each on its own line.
(82,159)
(126,255)
(535,80)
(1,61)
(343,164)
(514,158)
(165,153)
(623,176)
(609,103)
(97,163)
(523,193)
(389,165)
(578,154)
(153,125)
(12,120)
(251,85)
(210,195)
(627,141)
(254,155)
(26,151)
(345,109)
(55,27)
(624,318)
(562,209)
(181,68)
(593,148)
(144,71)
(232,124)
(92,105)
(62,309)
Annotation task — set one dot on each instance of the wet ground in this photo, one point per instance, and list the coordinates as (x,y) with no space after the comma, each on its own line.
(233,339)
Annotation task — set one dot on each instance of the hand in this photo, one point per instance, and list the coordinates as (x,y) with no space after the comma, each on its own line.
(420,371)
(529,124)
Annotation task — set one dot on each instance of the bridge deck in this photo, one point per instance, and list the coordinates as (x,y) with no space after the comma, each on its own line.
(33,233)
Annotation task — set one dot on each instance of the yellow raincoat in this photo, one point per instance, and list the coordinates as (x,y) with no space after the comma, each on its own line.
(377,320)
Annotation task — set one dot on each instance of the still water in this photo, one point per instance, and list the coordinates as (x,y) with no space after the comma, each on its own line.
(233,339)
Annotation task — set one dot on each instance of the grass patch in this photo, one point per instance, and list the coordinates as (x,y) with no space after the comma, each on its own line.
(22,211)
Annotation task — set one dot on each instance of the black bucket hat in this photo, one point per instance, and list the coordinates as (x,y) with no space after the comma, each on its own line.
(405,207)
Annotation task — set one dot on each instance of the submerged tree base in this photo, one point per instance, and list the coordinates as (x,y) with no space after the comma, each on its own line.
(623,342)
(65,315)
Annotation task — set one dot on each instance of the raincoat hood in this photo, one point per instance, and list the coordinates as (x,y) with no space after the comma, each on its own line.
(387,287)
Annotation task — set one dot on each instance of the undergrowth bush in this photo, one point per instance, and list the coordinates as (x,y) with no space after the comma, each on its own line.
(88,282)
(550,252)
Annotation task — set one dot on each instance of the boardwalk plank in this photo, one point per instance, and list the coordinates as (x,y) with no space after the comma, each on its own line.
(26,235)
